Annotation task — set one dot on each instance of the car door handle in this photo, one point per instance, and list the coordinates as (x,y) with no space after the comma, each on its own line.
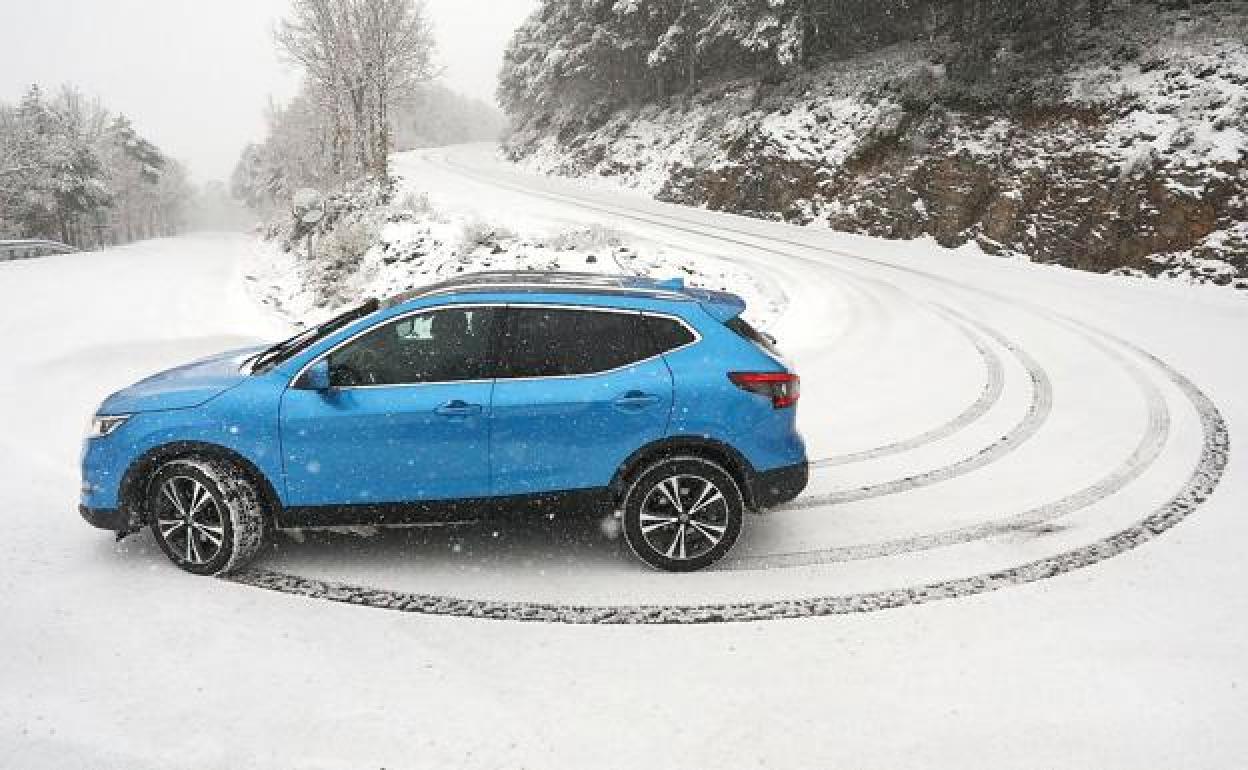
(458,408)
(635,399)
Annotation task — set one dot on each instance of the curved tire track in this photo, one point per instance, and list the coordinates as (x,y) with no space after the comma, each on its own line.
(1195,490)
(990,395)
(1038,412)
(1146,451)
(1199,486)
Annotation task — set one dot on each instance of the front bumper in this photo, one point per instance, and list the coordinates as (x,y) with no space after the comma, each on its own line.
(104,518)
(779,486)
(104,461)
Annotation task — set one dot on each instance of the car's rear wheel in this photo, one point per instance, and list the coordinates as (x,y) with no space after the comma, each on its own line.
(683,514)
(206,515)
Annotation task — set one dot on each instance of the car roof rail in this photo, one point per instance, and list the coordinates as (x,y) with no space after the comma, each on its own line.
(549,282)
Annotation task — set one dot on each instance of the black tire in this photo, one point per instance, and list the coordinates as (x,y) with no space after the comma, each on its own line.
(226,506)
(658,526)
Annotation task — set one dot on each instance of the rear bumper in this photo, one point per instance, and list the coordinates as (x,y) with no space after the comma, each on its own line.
(779,486)
(104,518)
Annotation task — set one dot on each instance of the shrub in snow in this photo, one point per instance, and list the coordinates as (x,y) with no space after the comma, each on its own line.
(477,233)
(416,203)
(347,244)
(595,237)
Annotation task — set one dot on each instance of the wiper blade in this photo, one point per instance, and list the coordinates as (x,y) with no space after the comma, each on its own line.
(276,354)
(260,359)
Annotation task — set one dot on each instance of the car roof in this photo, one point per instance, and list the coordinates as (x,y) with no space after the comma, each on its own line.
(721,305)
(549,282)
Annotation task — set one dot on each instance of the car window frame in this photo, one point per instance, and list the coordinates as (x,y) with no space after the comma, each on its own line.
(502,327)
(399,318)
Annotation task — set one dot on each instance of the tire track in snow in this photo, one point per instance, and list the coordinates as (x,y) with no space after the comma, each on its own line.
(1037,414)
(1215,452)
(989,396)
(1145,453)
(1195,490)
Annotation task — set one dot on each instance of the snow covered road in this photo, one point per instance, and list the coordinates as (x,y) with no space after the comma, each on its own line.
(980,424)
(964,439)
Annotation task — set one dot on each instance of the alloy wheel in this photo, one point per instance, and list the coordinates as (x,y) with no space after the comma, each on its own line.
(684,517)
(189,520)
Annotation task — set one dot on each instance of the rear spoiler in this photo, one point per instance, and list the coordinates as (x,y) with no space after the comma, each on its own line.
(720,304)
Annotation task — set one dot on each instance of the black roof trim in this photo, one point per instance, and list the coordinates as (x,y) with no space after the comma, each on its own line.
(543,282)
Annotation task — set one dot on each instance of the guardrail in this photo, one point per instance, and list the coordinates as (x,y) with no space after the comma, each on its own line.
(31,248)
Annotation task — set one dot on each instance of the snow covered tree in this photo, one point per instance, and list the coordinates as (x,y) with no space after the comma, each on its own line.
(28,198)
(359,58)
(576,60)
(72,172)
(52,175)
(247,181)
(585,57)
(675,56)
(768,34)
(135,168)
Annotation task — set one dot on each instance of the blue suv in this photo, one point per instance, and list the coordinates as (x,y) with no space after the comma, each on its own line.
(495,393)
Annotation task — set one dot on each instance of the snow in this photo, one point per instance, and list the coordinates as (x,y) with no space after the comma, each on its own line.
(1176,110)
(1187,109)
(113,658)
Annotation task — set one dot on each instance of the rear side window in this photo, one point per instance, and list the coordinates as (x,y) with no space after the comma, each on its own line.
(556,342)
(744,329)
(666,334)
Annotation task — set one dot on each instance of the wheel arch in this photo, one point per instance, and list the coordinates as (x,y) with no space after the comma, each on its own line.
(732,461)
(141,470)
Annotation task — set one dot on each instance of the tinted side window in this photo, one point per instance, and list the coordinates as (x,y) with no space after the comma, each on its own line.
(666,334)
(552,342)
(445,345)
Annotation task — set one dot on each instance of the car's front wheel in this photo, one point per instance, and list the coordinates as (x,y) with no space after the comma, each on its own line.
(206,515)
(682,514)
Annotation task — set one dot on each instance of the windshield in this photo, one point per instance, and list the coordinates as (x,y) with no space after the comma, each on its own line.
(265,360)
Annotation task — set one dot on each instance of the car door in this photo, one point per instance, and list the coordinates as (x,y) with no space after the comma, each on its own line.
(578,391)
(406,418)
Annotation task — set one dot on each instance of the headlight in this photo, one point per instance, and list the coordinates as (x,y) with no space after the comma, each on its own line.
(104,424)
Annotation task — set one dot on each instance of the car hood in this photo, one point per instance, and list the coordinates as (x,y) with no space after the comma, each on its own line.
(181,387)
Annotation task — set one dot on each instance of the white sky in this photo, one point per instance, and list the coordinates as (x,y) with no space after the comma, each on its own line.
(195,75)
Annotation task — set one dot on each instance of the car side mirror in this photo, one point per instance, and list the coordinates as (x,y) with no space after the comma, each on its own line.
(315,377)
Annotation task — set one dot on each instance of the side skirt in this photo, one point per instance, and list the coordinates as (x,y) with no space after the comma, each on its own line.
(580,502)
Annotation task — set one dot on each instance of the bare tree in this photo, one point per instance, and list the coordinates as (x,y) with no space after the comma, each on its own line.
(314,38)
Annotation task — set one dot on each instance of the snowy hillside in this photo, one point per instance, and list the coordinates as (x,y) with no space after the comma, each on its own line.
(1134,157)
(376,245)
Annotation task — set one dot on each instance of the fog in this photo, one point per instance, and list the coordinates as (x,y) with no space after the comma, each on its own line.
(195,76)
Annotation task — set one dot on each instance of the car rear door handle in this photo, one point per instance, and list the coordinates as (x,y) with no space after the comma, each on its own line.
(635,399)
(458,408)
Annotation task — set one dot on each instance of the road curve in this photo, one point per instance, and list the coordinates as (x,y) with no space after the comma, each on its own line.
(970,434)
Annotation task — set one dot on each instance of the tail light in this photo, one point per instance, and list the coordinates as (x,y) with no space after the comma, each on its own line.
(783,388)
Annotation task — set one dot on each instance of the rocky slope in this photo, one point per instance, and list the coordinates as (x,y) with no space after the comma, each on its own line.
(1134,158)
